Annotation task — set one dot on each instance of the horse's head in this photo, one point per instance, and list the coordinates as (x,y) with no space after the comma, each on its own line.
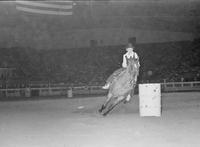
(132,65)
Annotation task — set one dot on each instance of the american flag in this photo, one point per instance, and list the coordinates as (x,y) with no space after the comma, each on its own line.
(46,7)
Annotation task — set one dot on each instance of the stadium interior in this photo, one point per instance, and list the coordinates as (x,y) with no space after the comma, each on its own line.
(76,49)
(55,56)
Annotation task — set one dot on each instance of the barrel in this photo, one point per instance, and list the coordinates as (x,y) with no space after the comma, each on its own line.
(150,99)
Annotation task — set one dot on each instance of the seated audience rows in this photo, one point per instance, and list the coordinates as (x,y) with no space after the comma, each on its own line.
(173,61)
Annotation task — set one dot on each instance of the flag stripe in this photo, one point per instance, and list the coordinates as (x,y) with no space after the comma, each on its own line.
(68,5)
(46,7)
(39,11)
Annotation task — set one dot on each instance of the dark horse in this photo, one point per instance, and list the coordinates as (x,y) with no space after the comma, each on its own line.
(121,87)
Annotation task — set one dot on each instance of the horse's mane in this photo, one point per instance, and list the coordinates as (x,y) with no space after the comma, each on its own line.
(132,67)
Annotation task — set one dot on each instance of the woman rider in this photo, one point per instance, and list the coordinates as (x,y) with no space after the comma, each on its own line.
(129,54)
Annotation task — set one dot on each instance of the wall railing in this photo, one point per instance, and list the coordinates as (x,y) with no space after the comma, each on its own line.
(65,90)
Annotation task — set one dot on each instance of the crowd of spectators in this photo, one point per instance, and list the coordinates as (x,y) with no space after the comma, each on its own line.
(171,61)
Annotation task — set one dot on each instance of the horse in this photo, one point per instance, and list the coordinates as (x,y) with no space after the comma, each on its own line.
(121,87)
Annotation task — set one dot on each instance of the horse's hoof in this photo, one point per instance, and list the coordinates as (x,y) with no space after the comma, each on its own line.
(125,102)
(100,110)
(128,101)
(104,114)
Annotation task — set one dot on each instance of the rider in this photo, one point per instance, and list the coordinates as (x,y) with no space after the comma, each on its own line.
(130,53)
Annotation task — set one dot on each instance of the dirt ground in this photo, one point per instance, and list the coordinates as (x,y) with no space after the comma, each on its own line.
(59,123)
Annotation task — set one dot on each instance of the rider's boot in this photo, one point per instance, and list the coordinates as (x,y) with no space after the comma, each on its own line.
(106,86)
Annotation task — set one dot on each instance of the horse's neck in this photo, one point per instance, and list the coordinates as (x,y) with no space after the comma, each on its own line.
(131,67)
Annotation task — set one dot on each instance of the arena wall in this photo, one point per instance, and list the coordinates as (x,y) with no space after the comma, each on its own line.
(5,94)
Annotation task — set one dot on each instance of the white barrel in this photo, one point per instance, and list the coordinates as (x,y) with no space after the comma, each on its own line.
(150,99)
(69,93)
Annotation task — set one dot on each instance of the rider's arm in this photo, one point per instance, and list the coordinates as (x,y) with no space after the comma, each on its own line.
(137,57)
(124,63)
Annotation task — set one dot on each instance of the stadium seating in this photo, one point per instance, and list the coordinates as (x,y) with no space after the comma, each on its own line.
(91,66)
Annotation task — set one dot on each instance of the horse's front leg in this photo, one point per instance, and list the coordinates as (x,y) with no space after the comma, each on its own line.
(106,103)
(130,95)
(118,100)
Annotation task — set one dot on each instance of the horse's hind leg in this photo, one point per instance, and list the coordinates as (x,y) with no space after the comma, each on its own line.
(106,103)
(119,100)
